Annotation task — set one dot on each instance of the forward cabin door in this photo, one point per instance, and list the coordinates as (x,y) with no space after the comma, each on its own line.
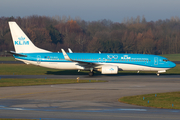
(156,61)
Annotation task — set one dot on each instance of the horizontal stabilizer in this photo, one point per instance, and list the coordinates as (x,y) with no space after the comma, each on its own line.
(17,54)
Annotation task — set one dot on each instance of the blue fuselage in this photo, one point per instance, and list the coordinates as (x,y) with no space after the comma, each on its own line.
(111,58)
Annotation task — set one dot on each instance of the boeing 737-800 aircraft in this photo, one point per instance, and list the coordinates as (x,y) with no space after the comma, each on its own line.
(106,63)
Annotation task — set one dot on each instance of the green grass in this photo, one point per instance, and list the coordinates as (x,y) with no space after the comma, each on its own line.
(172,57)
(23,69)
(162,100)
(175,70)
(7,59)
(8,82)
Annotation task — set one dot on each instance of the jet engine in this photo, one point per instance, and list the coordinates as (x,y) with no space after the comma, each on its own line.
(109,69)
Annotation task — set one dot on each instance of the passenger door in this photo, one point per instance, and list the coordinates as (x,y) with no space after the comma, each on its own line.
(38,59)
(156,61)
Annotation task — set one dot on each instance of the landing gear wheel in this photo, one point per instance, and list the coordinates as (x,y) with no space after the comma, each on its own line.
(91,74)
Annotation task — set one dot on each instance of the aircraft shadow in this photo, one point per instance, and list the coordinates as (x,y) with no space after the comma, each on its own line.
(75,72)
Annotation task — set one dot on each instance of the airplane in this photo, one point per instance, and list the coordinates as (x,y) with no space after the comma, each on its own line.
(106,63)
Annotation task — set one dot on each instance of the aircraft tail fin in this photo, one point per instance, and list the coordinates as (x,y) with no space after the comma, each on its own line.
(22,43)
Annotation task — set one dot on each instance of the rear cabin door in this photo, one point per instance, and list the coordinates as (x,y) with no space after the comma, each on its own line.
(38,59)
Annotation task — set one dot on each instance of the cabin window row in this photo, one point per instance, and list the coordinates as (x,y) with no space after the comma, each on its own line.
(103,59)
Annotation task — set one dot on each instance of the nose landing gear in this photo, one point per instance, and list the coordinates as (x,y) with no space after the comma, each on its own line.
(91,73)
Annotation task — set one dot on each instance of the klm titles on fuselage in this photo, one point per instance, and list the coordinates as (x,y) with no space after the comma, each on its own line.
(21,41)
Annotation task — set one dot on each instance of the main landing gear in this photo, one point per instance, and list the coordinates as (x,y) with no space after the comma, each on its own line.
(91,73)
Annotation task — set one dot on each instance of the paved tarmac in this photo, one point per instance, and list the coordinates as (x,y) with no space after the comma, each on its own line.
(87,100)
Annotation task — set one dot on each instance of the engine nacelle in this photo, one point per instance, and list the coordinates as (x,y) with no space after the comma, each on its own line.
(109,69)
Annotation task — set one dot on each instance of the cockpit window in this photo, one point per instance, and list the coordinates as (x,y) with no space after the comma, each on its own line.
(165,60)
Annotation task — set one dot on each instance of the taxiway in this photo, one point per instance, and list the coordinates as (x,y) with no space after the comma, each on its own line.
(87,100)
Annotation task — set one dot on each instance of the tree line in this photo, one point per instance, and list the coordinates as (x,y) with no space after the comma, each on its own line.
(134,35)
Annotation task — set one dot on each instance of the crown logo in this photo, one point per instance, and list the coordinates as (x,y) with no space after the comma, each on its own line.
(21,38)
(111,69)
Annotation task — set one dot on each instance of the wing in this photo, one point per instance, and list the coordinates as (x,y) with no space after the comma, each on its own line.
(81,63)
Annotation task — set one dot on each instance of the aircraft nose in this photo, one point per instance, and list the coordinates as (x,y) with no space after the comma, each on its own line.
(172,64)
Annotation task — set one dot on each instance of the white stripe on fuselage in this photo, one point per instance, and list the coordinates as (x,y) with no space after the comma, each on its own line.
(75,66)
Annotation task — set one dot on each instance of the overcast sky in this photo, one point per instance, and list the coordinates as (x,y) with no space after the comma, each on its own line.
(93,10)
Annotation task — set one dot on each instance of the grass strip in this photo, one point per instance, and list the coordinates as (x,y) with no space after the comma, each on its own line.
(23,69)
(7,82)
(172,57)
(170,100)
(7,58)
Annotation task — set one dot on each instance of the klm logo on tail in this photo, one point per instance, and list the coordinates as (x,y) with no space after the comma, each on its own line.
(21,41)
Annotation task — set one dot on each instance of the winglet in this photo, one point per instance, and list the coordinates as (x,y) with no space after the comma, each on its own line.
(65,55)
(70,51)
